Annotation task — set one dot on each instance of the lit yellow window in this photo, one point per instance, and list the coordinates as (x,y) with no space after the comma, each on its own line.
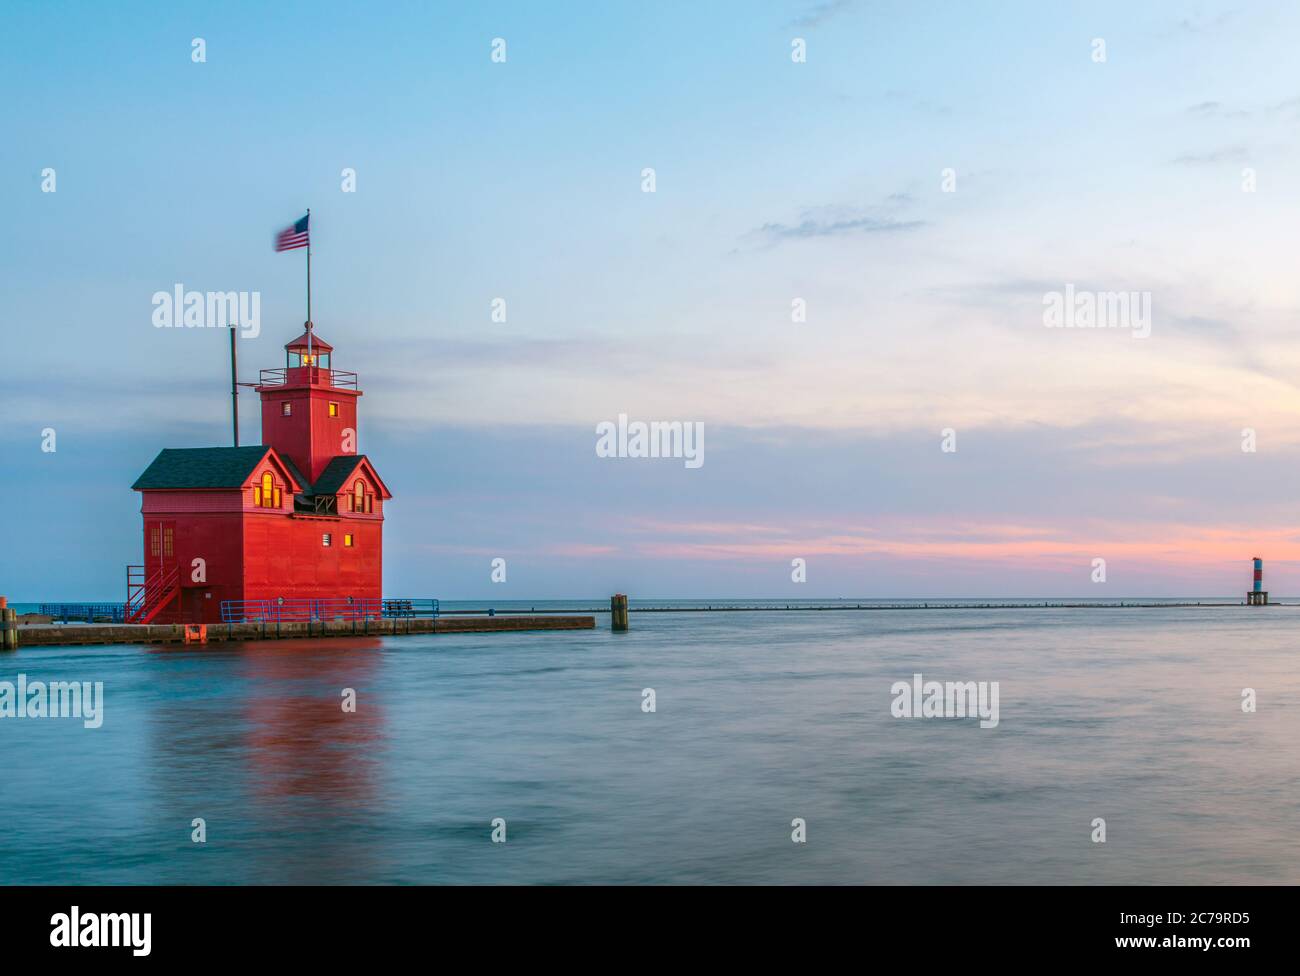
(359,496)
(334,409)
(257,496)
(268,491)
(347,539)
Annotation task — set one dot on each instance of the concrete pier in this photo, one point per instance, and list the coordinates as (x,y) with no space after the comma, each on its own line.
(78,634)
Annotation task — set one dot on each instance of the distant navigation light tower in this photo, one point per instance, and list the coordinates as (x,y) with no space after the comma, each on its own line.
(1257,596)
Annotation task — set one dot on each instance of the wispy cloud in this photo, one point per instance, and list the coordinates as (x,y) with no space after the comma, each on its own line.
(842,221)
(917,103)
(819,13)
(809,227)
(1198,24)
(1001,291)
(1288,106)
(1219,111)
(1204,325)
(1043,544)
(1228,154)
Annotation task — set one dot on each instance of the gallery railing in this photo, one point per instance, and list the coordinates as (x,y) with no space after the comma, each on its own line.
(295,375)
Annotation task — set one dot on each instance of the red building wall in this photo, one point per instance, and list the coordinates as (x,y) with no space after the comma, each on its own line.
(249,554)
(287,557)
(203,525)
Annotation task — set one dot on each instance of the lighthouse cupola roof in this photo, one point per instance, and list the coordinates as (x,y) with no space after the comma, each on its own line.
(308,349)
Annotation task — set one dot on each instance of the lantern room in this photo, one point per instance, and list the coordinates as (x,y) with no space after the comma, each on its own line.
(307,350)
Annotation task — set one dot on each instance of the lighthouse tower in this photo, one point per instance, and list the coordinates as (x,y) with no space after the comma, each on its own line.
(309,410)
(299,517)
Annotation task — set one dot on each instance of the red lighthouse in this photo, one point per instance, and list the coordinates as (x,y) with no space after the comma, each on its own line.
(298,517)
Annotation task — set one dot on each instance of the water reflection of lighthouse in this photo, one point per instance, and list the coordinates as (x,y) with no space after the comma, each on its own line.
(253,738)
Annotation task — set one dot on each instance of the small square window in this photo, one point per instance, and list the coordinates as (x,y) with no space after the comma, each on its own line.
(325,540)
(286,409)
(347,540)
(334,409)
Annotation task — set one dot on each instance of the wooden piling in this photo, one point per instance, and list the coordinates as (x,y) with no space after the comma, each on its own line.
(618,612)
(8,626)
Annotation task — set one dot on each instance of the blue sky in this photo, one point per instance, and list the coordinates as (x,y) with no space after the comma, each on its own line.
(774,181)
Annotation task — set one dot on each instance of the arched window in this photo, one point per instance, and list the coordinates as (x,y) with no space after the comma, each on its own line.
(268,490)
(359,496)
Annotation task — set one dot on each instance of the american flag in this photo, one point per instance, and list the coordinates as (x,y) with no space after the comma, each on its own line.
(294,236)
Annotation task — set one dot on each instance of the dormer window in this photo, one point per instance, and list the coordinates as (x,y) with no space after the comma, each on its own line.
(361,501)
(266,493)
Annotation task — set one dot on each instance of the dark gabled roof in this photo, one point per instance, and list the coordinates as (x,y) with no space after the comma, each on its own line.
(336,472)
(231,467)
(201,467)
(295,474)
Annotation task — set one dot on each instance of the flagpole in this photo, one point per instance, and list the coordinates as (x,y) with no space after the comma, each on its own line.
(311,359)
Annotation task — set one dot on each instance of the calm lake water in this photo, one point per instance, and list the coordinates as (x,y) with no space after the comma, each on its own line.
(1132,715)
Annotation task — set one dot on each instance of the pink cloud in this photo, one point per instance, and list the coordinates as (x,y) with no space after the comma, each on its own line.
(1169,544)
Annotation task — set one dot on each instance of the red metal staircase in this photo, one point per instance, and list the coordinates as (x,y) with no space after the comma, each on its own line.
(147,595)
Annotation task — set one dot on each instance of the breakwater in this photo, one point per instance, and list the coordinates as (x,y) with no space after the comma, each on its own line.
(775,606)
(79,634)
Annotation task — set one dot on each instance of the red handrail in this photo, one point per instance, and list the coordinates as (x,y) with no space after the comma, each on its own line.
(145,596)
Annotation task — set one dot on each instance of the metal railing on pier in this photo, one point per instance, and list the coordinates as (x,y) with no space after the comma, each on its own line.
(90,613)
(303,610)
